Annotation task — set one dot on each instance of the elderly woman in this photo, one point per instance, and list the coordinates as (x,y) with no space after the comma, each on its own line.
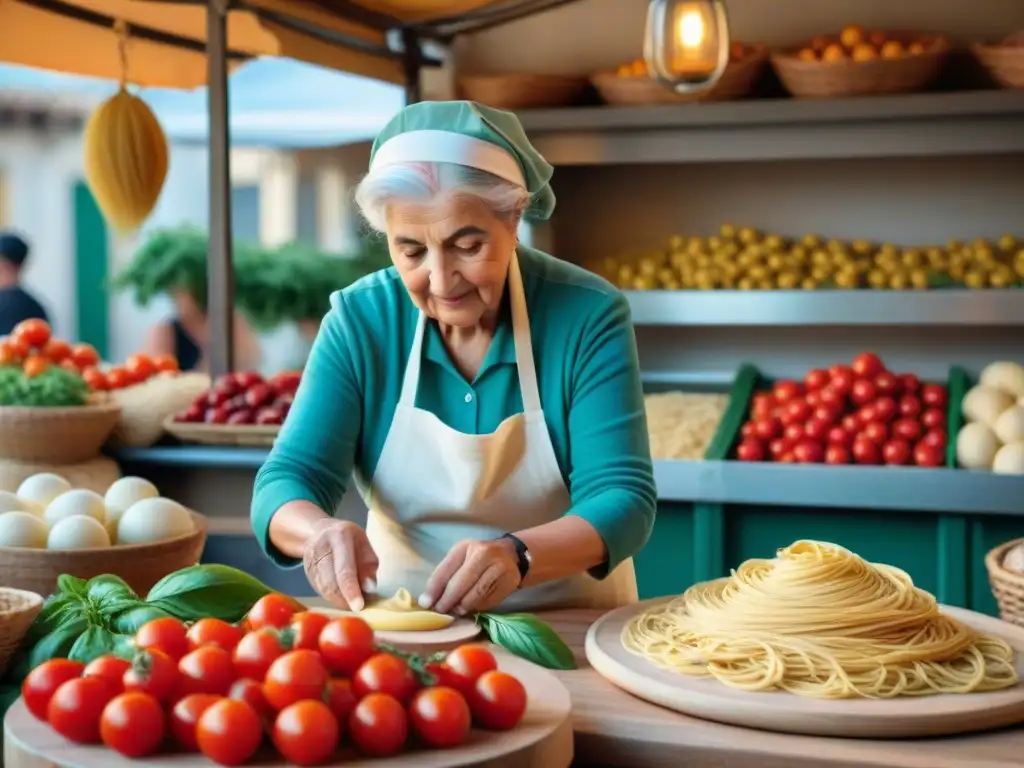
(486,397)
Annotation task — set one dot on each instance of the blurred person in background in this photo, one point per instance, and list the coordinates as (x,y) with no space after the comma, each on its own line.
(16,304)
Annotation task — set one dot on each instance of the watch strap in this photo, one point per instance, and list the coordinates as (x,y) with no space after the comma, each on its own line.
(522,554)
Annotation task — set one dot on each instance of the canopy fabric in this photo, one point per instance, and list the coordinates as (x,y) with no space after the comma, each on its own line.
(36,35)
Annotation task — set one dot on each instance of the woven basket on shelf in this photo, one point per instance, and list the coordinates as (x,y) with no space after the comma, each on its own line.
(1004,62)
(846,77)
(56,435)
(18,609)
(145,407)
(94,475)
(1007,585)
(141,565)
(523,91)
(738,80)
(243,435)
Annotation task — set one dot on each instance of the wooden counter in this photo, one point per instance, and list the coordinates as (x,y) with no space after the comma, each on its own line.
(613,728)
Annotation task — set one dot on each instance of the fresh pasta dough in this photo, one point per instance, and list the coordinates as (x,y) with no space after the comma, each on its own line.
(400,613)
(820,621)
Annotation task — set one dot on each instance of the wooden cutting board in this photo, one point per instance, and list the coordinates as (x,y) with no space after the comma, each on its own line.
(457,633)
(788,713)
(543,738)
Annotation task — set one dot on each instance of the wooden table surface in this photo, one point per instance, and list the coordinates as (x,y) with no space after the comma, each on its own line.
(614,729)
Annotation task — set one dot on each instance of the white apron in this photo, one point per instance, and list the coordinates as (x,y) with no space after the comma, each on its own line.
(434,486)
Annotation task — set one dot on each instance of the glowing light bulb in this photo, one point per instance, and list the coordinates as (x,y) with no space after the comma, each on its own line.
(691,29)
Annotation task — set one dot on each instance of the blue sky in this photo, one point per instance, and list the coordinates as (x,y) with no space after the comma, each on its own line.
(273,102)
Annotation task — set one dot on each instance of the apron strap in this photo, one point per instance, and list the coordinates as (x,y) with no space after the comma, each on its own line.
(412,365)
(522,338)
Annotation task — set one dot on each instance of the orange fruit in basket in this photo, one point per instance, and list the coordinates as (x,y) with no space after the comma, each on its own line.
(852,35)
(807,54)
(916,49)
(892,49)
(834,52)
(864,52)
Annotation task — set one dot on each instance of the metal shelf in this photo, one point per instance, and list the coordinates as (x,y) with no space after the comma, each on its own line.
(914,125)
(824,308)
(842,487)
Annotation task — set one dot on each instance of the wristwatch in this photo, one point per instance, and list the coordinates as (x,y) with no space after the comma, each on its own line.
(523,557)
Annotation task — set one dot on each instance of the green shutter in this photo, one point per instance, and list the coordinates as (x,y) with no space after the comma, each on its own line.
(92,254)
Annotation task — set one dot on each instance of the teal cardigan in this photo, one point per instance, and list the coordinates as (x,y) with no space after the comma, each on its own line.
(590,390)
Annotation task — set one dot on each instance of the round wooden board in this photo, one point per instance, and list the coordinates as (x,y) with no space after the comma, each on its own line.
(543,738)
(459,632)
(788,713)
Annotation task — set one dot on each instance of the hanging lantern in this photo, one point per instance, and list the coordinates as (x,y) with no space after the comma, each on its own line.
(686,43)
(125,155)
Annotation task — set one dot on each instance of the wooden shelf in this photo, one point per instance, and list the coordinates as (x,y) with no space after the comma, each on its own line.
(914,125)
(833,308)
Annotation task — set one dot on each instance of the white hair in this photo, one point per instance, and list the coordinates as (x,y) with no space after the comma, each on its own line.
(426,182)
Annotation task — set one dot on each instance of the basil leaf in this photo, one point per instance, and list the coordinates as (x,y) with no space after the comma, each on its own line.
(110,595)
(128,621)
(528,637)
(57,609)
(72,586)
(212,590)
(58,643)
(93,643)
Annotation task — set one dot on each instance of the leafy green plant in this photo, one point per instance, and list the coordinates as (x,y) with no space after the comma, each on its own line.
(53,388)
(526,636)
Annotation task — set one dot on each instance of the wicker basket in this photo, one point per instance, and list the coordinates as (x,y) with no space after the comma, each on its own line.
(56,435)
(1007,585)
(94,475)
(18,609)
(250,435)
(523,91)
(816,79)
(1004,62)
(146,406)
(141,565)
(738,80)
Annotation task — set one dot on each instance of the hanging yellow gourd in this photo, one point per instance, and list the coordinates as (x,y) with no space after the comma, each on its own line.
(125,155)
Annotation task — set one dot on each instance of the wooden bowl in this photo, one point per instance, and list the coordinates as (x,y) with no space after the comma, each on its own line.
(1004,62)
(847,77)
(738,80)
(252,435)
(18,609)
(56,435)
(523,91)
(140,565)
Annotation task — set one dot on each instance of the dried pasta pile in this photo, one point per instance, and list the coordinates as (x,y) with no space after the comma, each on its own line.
(682,424)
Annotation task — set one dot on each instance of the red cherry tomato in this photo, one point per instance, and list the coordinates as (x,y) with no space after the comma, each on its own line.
(252,694)
(295,676)
(229,732)
(816,379)
(896,452)
(133,724)
(813,399)
(779,447)
(306,628)
(378,725)
(384,673)
(499,701)
(794,433)
(866,451)
(166,634)
(885,408)
(839,436)
(927,455)
(214,632)
(933,418)
(748,431)
(35,333)
(39,685)
(207,669)
(345,644)
(908,429)
(867,365)
(876,432)
(440,717)
(909,406)
(863,392)
(750,450)
(767,428)
(185,714)
(75,709)
(85,356)
(827,413)
(256,651)
(808,452)
(785,391)
(795,412)
(271,610)
(842,378)
(851,423)
(155,673)
(909,383)
(837,454)
(935,438)
(934,396)
(109,668)
(466,664)
(832,398)
(306,732)
(340,699)
(887,384)
(817,429)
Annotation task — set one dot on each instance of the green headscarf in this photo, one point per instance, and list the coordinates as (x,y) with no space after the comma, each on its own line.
(475,121)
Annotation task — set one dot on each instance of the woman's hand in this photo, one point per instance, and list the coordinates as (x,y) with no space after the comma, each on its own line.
(340,562)
(475,576)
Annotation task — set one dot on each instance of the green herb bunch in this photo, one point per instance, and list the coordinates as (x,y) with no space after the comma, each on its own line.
(53,388)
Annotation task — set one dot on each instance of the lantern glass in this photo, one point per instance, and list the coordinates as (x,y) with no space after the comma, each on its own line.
(686,44)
